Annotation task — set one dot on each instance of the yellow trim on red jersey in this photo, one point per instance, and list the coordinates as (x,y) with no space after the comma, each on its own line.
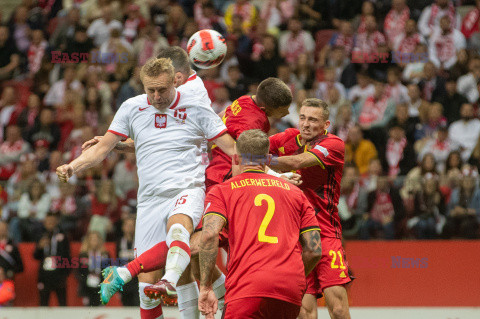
(318,159)
(217,214)
(310,229)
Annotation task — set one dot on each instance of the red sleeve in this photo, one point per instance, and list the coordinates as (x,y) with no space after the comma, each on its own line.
(215,204)
(7,292)
(275,143)
(329,152)
(308,219)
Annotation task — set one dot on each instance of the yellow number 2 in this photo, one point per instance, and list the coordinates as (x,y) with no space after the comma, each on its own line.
(266,220)
(334,253)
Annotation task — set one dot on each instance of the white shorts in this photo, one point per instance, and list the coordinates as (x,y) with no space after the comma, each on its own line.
(153,214)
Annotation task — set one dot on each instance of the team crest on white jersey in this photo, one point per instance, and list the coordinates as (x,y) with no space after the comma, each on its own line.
(160,120)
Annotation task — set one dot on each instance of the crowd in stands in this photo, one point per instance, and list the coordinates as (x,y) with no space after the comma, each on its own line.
(401,78)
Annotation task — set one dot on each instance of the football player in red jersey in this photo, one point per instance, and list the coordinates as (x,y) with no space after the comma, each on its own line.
(319,157)
(266,218)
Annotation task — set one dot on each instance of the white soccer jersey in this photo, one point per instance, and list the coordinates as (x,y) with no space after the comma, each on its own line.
(196,86)
(168,144)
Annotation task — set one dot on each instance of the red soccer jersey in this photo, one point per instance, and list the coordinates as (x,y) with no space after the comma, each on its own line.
(321,183)
(244,114)
(264,217)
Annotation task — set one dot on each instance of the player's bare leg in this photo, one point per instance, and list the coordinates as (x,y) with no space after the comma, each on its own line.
(149,308)
(218,277)
(336,299)
(179,229)
(309,307)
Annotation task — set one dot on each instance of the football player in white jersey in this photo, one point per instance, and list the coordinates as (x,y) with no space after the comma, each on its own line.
(168,126)
(187,288)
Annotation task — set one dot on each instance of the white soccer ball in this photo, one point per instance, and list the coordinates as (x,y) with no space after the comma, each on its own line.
(206,49)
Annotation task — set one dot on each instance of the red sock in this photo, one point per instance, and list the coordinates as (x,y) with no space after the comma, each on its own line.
(154,313)
(152,259)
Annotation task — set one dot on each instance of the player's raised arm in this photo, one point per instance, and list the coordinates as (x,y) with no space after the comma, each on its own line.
(212,225)
(90,157)
(312,249)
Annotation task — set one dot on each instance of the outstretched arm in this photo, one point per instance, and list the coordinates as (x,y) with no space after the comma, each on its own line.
(293,162)
(312,249)
(89,158)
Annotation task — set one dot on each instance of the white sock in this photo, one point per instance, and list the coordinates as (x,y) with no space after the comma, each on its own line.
(145,302)
(124,273)
(219,290)
(178,257)
(188,301)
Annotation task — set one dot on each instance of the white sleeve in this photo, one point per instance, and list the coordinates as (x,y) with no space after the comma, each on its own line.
(423,22)
(210,123)
(121,124)
(92,29)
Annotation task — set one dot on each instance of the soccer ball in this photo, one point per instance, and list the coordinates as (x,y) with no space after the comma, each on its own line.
(206,49)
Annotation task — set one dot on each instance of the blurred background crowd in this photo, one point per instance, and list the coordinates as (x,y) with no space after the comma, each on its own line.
(411,125)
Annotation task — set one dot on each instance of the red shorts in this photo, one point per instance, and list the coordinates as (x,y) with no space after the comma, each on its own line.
(332,270)
(260,308)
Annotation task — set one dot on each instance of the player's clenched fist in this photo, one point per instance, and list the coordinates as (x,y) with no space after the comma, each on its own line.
(64,172)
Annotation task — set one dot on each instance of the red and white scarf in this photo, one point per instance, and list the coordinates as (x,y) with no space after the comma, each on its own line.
(344,41)
(373,110)
(35,55)
(395,23)
(470,23)
(383,207)
(394,155)
(435,9)
(445,45)
(409,44)
(368,43)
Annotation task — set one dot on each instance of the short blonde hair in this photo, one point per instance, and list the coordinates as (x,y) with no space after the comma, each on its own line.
(154,67)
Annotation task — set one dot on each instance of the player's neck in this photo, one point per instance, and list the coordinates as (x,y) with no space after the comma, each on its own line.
(253,168)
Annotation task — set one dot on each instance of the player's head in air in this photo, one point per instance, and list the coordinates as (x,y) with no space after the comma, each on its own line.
(157,76)
(251,151)
(274,97)
(180,62)
(314,121)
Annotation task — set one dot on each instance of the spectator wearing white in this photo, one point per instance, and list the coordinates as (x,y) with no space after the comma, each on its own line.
(328,83)
(430,18)
(417,106)
(277,12)
(444,44)
(295,41)
(467,84)
(396,20)
(395,89)
(360,92)
(465,131)
(55,94)
(440,147)
(100,29)
(413,71)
